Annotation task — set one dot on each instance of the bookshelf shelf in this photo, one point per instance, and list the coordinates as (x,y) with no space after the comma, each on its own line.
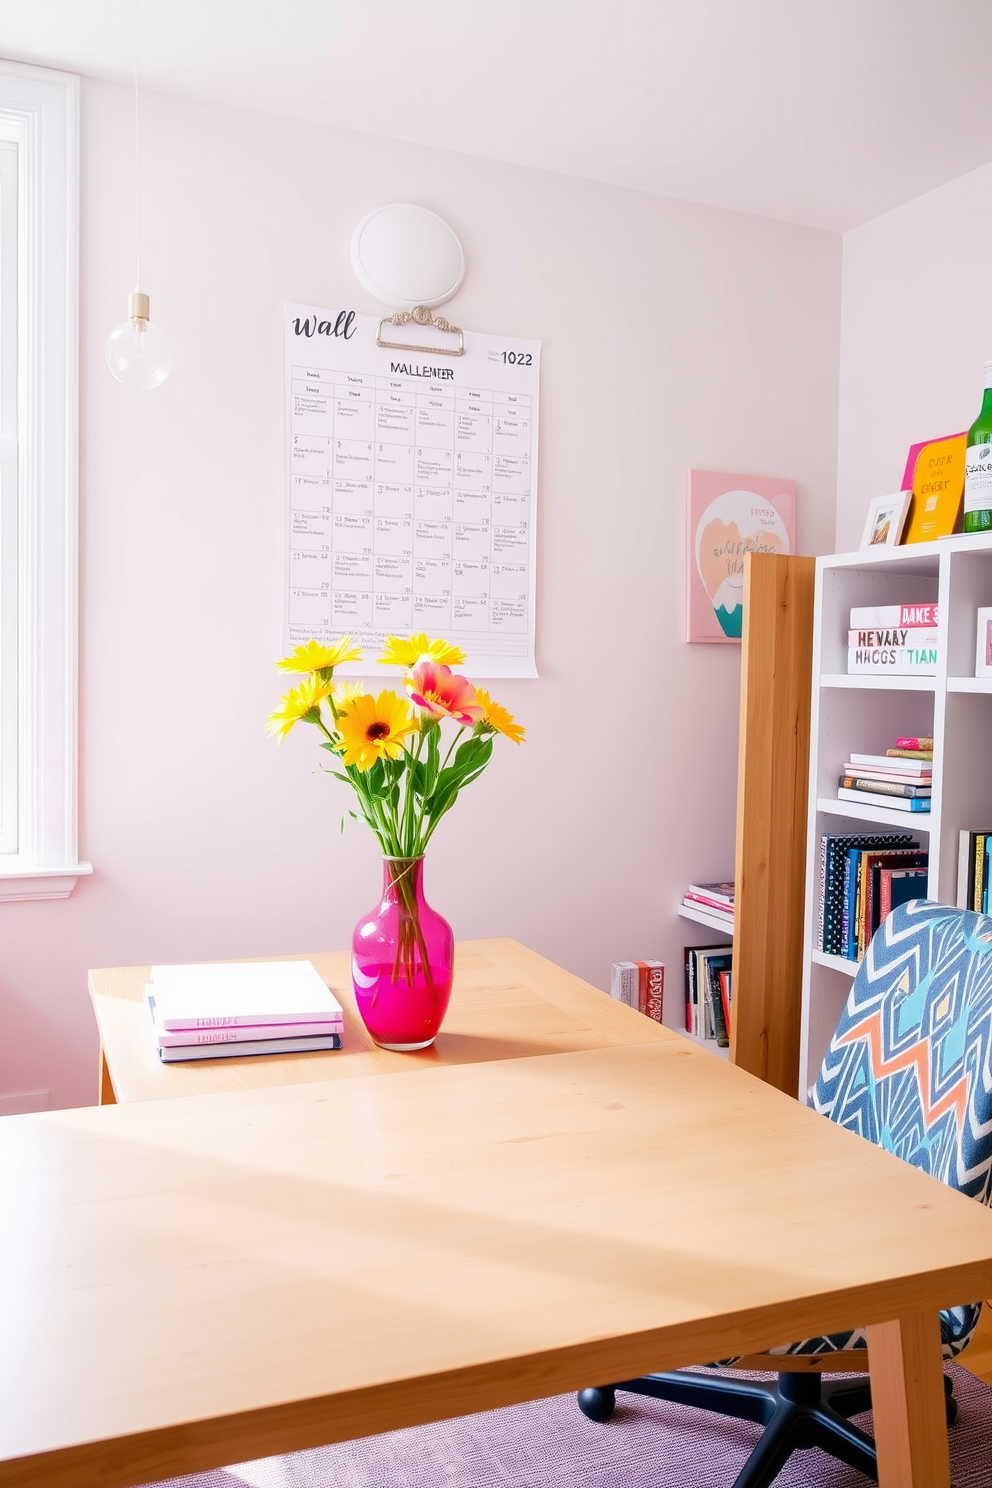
(903,821)
(836,963)
(867,714)
(703,917)
(880,684)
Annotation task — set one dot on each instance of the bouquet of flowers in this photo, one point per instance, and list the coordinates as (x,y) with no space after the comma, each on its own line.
(399,755)
(391,746)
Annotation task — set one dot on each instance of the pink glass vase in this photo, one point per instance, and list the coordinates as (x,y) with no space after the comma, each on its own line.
(402,954)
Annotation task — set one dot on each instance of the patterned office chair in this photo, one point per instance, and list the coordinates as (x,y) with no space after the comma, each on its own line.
(909,1068)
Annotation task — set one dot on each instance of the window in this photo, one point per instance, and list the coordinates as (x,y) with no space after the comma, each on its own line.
(39,114)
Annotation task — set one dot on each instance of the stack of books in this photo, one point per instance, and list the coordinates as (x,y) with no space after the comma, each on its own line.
(708,993)
(900,779)
(241,1009)
(640,985)
(893,640)
(862,879)
(716,898)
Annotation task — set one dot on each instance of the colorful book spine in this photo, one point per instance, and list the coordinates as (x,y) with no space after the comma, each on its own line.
(981,852)
(908,751)
(890,635)
(892,661)
(917,616)
(921,741)
(726,987)
(882,787)
(690,990)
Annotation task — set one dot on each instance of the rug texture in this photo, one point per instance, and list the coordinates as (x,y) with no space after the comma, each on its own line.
(550,1444)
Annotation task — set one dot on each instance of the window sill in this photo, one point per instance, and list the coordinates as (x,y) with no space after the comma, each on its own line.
(41,883)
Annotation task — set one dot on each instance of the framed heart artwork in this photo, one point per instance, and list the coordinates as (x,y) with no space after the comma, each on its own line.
(727,517)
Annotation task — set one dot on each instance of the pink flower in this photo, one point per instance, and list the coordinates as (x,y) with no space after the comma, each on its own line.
(443,694)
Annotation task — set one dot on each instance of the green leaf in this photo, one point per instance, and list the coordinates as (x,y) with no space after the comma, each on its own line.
(473,754)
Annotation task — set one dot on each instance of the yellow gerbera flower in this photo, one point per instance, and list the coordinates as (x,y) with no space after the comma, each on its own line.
(299,702)
(313,657)
(418,648)
(374,728)
(497,720)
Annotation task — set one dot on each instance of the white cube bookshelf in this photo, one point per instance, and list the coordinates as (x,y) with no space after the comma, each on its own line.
(866,714)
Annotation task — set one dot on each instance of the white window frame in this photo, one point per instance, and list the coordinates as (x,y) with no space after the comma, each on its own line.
(39,112)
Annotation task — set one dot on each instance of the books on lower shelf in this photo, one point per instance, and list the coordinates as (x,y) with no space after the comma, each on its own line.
(641,986)
(709,993)
(974,852)
(898,780)
(716,898)
(240,1009)
(862,878)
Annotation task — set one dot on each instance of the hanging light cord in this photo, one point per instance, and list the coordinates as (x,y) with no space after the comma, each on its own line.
(137,166)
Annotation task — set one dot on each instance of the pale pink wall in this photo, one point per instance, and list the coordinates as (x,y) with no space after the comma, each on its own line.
(674,335)
(916,328)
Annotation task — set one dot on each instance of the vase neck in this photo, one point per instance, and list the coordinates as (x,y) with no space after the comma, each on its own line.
(403,876)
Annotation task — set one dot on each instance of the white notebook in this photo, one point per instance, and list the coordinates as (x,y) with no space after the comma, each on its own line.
(229,994)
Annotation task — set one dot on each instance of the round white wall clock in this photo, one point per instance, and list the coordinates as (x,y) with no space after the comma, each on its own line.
(407,256)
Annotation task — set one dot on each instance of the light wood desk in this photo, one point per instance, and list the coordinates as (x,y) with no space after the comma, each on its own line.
(507,1003)
(188,1283)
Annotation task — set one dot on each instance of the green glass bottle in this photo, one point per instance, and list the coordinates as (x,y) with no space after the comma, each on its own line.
(978,466)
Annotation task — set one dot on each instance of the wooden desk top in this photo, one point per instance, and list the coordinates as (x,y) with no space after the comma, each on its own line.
(507,1003)
(194,1282)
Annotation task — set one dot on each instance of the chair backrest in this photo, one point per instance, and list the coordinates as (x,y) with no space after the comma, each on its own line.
(910,1064)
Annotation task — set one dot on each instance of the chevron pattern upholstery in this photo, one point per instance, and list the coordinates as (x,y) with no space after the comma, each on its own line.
(910,1065)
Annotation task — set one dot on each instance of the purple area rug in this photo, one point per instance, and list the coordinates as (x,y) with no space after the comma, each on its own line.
(550,1444)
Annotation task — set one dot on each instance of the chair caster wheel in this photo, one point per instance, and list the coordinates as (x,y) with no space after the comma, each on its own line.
(598,1402)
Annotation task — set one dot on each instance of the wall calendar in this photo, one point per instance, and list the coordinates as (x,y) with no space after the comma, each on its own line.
(411,482)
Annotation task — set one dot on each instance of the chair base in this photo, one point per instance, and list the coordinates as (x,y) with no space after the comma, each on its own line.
(798,1411)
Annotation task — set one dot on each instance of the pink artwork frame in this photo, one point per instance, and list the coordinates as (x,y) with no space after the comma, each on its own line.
(727,516)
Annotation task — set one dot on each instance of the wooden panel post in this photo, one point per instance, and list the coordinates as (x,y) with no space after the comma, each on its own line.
(773,763)
(907,1395)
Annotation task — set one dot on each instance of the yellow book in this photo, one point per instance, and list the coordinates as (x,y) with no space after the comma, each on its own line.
(938,485)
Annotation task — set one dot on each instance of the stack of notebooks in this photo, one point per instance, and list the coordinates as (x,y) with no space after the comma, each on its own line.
(898,780)
(236,1010)
(716,898)
(862,879)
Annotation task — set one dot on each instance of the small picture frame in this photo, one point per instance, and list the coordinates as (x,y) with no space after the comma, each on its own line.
(886,520)
(983,648)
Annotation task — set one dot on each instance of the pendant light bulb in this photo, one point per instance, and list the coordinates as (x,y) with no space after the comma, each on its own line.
(137,352)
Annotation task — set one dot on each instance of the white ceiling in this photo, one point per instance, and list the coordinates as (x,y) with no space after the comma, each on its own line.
(825,112)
